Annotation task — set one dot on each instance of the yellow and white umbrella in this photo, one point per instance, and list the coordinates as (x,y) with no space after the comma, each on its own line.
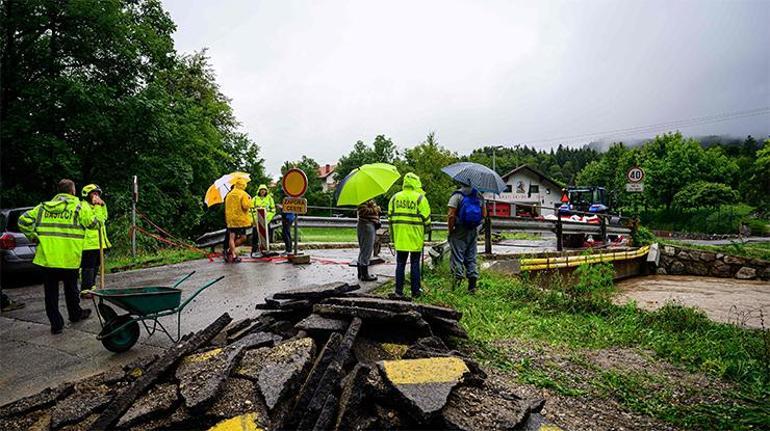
(217,192)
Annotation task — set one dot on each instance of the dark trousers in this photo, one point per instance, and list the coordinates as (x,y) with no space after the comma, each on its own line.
(286,232)
(414,261)
(52,277)
(226,244)
(89,267)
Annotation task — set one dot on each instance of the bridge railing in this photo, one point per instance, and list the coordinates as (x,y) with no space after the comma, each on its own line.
(560,227)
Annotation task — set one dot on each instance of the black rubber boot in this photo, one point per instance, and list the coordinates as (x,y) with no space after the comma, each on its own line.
(472,285)
(365,274)
(358,268)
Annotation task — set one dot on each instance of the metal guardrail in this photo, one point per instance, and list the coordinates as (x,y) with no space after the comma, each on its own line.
(514,224)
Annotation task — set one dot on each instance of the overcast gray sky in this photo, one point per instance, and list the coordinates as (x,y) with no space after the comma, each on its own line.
(313,77)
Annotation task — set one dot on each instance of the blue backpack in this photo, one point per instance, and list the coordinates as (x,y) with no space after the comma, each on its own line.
(469,213)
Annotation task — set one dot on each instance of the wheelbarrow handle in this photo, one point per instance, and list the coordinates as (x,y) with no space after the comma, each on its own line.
(183,279)
(191,297)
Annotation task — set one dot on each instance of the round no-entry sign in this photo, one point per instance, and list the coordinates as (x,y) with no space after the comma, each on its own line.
(635,174)
(294,182)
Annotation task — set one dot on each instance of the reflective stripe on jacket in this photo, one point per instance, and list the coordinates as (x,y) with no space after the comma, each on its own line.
(408,216)
(59,225)
(92,235)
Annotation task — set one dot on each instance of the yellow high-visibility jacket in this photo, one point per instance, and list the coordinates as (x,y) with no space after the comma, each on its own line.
(409,216)
(60,227)
(92,235)
(237,207)
(266,202)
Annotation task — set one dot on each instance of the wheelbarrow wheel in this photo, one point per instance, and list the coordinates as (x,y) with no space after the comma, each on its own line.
(124,338)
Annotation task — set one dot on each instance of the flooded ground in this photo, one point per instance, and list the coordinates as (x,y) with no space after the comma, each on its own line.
(722,299)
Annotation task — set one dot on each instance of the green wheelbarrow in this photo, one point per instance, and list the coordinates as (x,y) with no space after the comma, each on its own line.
(121,331)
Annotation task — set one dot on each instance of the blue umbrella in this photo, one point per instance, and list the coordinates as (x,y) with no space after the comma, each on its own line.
(475,175)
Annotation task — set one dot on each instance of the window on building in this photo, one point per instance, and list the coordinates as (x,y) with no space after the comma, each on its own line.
(534,188)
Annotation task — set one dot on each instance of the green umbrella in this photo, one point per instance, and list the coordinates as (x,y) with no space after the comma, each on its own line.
(366,182)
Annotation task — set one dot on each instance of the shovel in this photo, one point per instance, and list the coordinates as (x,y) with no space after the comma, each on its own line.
(101,257)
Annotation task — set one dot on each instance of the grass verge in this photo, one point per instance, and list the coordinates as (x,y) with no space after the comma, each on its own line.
(703,375)
(149,259)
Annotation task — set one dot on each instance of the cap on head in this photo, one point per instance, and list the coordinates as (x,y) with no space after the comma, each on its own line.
(89,189)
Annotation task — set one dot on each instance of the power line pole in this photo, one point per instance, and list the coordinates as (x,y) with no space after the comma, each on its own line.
(494,168)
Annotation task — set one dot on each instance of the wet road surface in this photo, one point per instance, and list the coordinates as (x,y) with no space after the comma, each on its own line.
(33,359)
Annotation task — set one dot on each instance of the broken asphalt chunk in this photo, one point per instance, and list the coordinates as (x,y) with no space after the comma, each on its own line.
(480,408)
(38,401)
(238,396)
(315,324)
(79,405)
(351,398)
(123,401)
(282,369)
(202,375)
(396,305)
(424,385)
(324,358)
(316,291)
(158,400)
(373,315)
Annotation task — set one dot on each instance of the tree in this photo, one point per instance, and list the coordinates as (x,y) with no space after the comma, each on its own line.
(610,172)
(426,160)
(94,91)
(760,178)
(704,194)
(673,162)
(383,150)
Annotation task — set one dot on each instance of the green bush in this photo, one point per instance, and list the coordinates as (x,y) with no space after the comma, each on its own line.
(592,291)
(758,226)
(724,220)
(642,236)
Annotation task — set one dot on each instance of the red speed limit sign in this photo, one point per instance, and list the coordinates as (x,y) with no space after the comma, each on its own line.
(635,174)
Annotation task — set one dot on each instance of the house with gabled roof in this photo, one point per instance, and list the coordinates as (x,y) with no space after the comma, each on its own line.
(528,193)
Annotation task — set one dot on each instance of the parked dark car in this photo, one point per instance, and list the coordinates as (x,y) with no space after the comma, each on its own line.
(16,251)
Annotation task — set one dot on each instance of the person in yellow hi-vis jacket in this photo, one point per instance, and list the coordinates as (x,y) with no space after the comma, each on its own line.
(237,219)
(60,226)
(89,262)
(408,218)
(263,199)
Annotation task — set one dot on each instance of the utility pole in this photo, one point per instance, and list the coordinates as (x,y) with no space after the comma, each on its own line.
(494,168)
(134,198)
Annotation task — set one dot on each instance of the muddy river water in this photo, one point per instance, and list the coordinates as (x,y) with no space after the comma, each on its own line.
(722,299)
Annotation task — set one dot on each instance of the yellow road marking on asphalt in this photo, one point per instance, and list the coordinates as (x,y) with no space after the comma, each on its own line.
(394,349)
(244,422)
(198,357)
(428,370)
(549,428)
